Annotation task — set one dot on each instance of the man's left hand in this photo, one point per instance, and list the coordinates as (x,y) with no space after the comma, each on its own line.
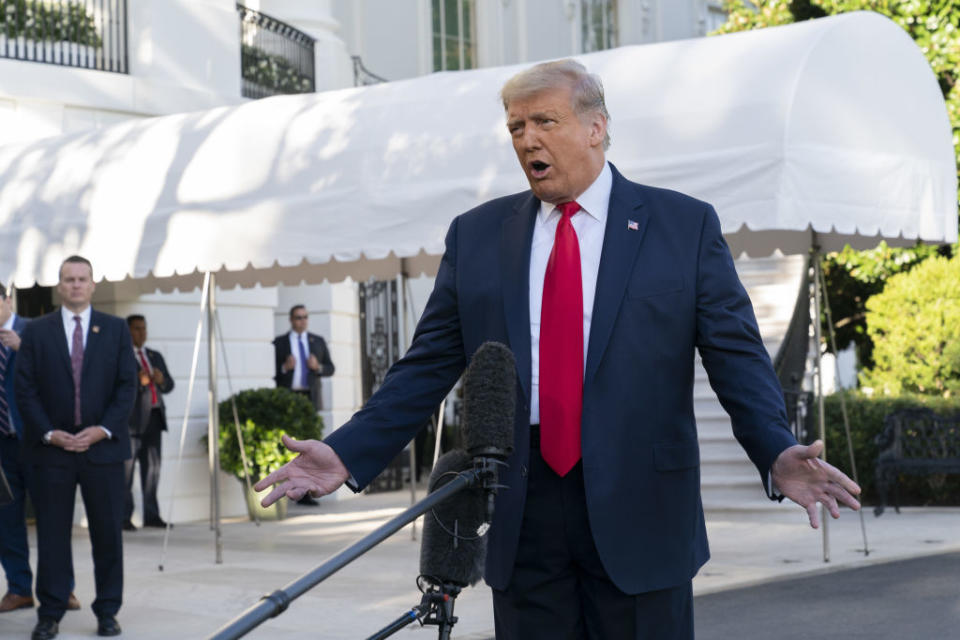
(157,377)
(312,363)
(801,476)
(90,436)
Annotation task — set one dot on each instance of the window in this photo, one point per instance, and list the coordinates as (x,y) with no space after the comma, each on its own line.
(598,24)
(716,17)
(454,36)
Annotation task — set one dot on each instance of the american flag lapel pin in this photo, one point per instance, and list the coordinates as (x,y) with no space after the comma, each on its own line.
(95,328)
(632,225)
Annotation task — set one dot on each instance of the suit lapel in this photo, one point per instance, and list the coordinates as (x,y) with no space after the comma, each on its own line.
(60,339)
(516,237)
(621,243)
(93,339)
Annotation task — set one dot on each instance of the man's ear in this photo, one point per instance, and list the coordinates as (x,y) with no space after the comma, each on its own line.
(598,129)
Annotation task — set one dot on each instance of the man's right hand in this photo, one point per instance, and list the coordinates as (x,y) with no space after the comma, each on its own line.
(290,363)
(67,441)
(318,471)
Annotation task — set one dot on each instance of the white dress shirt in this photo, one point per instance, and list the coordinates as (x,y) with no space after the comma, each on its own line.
(295,350)
(8,325)
(589,224)
(69,325)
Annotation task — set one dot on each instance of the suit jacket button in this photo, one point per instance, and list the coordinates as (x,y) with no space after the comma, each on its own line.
(523,471)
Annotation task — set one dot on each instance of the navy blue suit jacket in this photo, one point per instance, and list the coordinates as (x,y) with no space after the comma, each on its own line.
(44,386)
(19,324)
(663,290)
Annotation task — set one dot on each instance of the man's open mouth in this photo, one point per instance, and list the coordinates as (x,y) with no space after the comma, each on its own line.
(538,169)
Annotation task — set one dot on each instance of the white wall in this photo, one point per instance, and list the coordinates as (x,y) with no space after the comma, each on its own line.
(393,37)
(184,55)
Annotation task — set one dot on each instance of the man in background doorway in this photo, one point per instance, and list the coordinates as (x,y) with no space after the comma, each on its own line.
(147,424)
(302,358)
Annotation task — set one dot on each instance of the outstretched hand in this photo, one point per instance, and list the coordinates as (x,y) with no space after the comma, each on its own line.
(317,471)
(801,476)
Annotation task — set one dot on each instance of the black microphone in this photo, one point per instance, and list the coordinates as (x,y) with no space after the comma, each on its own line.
(490,402)
(454,548)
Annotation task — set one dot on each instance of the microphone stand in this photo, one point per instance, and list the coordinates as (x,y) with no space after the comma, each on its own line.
(435,608)
(484,474)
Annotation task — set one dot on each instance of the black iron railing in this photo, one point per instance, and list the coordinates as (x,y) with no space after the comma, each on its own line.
(800,414)
(275,58)
(90,34)
(363,76)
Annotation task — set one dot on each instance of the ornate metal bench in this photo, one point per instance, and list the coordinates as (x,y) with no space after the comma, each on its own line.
(918,442)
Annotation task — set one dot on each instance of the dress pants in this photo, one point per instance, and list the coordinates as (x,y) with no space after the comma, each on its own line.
(146,451)
(559,588)
(14,551)
(53,489)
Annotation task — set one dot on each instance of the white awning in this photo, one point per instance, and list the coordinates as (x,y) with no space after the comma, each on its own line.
(835,125)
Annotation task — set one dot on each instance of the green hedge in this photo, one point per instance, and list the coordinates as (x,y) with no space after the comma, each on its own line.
(866,421)
(273,72)
(265,415)
(49,21)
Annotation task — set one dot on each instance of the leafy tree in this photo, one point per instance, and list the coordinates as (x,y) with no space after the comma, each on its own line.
(915,326)
(852,277)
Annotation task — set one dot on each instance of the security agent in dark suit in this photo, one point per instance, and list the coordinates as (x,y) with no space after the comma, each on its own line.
(302,358)
(147,424)
(14,551)
(604,289)
(75,388)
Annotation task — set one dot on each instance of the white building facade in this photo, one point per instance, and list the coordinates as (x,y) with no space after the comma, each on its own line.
(186,55)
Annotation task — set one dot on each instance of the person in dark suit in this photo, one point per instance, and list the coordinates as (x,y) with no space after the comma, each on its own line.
(603,289)
(75,388)
(147,424)
(14,552)
(302,358)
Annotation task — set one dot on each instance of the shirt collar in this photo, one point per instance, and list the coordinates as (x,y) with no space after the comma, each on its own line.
(595,201)
(84,315)
(9,323)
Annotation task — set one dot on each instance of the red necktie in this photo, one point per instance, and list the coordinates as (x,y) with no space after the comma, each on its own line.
(561,348)
(146,367)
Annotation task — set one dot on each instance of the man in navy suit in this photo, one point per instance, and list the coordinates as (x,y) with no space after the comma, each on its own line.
(302,358)
(603,289)
(75,386)
(147,424)
(14,552)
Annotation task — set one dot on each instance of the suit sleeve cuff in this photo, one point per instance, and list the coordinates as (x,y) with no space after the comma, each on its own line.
(773,491)
(107,431)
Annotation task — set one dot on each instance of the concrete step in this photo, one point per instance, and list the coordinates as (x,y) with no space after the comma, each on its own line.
(743,489)
(729,481)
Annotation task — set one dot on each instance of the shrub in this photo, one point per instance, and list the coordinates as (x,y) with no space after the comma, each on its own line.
(265,415)
(272,72)
(915,327)
(53,21)
(866,415)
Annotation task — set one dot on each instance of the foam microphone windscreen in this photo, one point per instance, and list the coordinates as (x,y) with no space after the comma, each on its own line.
(490,401)
(454,559)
